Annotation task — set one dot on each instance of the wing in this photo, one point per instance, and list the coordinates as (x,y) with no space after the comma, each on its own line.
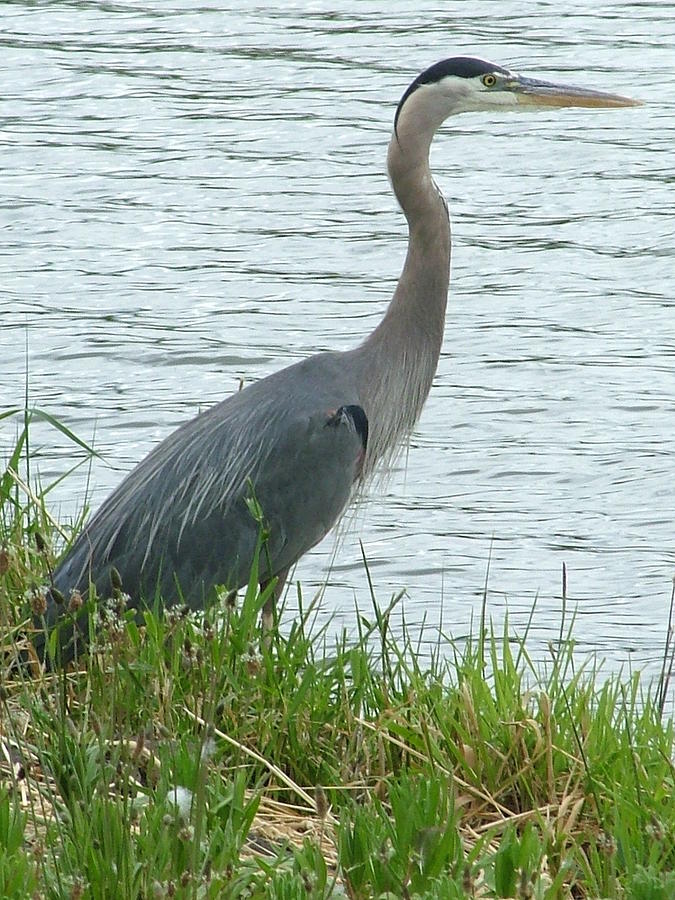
(302,489)
(180,522)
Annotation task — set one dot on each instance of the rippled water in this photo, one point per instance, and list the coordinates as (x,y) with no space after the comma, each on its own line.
(195,193)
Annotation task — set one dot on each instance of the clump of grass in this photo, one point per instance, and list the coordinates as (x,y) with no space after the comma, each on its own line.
(188,758)
(30,537)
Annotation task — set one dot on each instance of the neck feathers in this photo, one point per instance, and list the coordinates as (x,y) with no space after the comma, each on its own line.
(398,360)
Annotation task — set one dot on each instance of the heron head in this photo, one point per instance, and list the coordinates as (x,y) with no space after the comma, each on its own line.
(469,84)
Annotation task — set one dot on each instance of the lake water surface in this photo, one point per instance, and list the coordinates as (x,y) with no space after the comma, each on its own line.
(194,193)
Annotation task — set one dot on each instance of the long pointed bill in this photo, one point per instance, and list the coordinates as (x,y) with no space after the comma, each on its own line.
(532,92)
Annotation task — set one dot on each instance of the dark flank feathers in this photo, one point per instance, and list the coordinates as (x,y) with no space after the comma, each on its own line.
(354,416)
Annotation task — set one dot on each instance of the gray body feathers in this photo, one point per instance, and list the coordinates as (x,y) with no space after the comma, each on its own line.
(179,523)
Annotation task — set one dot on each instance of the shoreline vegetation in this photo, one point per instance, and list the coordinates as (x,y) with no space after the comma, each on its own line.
(185,758)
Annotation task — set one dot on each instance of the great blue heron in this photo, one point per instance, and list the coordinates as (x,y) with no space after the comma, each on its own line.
(301,439)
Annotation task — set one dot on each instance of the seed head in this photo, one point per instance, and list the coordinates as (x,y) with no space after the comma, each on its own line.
(253,666)
(38,601)
(75,602)
(77,890)
(186,834)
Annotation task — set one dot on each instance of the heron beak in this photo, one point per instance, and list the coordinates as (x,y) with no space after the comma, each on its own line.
(532,92)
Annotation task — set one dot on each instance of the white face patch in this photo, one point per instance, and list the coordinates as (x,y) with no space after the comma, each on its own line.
(473,95)
(427,104)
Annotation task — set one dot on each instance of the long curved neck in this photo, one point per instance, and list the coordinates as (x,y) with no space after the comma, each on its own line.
(398,360)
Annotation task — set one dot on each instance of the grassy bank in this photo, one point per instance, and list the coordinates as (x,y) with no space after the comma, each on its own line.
(186,759)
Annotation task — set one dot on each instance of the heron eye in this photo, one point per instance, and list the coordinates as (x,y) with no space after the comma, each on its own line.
(489,80)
